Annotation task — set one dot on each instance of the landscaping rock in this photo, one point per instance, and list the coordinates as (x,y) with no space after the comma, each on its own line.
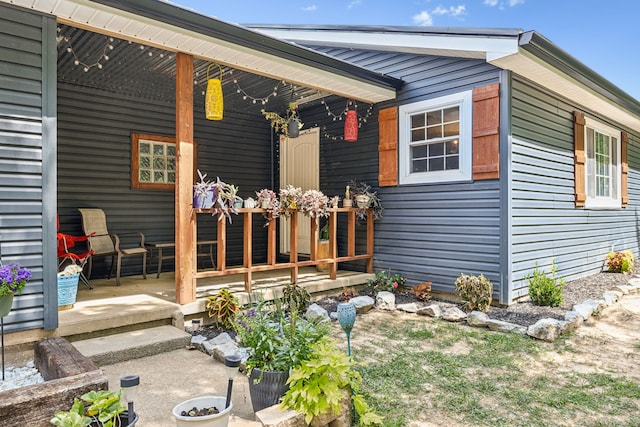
(477,318)
(221,339)
(362,303)
(625,289)
(198,339)
(546,329)
(586,308)
(333,315)
(432,310)
(454,314)
(315,312)
(500,326)
(411,307)
(611,297)
(386,301)
(573,320)
(228,349)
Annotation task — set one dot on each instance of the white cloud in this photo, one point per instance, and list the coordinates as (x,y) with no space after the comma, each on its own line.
(452,10)
(501,4)
(354,3)
(423,18)
(311,8)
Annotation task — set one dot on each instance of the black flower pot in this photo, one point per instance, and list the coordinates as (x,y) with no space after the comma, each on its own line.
(123,420)
(293,129)
(270,388)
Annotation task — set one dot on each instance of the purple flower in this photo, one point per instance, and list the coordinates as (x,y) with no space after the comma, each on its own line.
(13,279)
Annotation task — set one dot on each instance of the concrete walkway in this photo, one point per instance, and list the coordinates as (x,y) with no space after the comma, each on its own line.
(169,378)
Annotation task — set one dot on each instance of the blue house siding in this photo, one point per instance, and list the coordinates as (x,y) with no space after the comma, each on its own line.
(28,135)
(94,167)
(546,223)
(428,232)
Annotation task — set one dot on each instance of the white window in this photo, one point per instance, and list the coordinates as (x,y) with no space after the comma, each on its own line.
(435,140)
(602,168)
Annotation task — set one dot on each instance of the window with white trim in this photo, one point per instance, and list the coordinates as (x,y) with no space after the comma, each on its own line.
(602,165)
(435,140)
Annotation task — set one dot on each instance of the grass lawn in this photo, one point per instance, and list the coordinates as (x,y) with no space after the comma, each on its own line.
(419,371)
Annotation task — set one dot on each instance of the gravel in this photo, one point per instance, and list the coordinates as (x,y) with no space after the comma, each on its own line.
(20,376)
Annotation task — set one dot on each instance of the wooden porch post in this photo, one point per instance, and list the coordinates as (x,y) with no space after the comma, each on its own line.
(185,220)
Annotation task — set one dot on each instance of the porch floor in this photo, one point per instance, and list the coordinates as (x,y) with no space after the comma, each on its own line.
(152,301)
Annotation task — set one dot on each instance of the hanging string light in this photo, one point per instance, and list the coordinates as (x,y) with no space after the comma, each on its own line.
(76,60)
(253,99)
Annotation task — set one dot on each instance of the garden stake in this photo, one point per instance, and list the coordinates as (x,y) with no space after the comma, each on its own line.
(347,317)
(231,363)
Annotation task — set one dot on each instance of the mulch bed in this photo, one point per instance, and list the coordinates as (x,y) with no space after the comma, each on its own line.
(523,313)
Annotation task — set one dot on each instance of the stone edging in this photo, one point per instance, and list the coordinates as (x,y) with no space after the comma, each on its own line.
(547,329)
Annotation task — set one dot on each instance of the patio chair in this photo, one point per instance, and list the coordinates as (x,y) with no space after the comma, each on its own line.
(65,243)
(102,243)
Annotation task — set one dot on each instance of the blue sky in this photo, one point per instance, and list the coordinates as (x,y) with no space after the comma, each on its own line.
(598,33)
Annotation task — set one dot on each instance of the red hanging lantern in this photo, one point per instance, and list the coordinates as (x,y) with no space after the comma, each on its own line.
(351,125)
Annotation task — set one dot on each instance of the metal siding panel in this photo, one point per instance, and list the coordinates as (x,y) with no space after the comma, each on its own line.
(428,232)
(94,167)
(21,166)
(546,225)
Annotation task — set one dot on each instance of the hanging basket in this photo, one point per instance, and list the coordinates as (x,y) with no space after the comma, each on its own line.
(351,125)
(214,101)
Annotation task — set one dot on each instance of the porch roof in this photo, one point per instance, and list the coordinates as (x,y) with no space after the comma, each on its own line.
(528,54)
(173,28)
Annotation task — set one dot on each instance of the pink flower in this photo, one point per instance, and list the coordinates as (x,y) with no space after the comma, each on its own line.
(395,285)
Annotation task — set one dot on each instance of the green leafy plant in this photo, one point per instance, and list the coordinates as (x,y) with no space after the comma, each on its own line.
(277,341)
(318,385)
(620,261)
(100,408)
(295,298)
(385,281)
(223,306)
(360,188)
(475,292)
(280,123)
(545,290)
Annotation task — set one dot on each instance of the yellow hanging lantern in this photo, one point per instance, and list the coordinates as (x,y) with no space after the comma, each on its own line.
(214,102)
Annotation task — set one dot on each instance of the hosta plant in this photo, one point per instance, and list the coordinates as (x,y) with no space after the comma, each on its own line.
(223,307)
(475,292)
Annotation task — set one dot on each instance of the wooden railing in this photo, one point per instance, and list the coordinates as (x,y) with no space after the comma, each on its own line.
(248,268)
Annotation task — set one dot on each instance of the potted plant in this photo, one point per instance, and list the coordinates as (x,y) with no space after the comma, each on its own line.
(225,198)
(268,200)
(289,125)
(203,411)
(290,200)
(277,342)
(365,198)
(13,279)
(323,246)
(100,408)
(68,286)
(314,204)
(203,192)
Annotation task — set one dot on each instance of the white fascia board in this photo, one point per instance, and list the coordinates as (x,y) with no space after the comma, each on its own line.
(480,46)
(533,68)
(118,23)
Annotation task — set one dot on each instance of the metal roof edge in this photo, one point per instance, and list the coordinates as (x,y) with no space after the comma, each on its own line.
(194,21)
(450,31)
(544,49)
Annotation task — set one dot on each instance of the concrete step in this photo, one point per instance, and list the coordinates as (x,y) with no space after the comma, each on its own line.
(110,349)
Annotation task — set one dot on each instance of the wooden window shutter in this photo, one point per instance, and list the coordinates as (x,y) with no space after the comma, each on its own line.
(579,158)
(624,141)
(388,147)
(486,132)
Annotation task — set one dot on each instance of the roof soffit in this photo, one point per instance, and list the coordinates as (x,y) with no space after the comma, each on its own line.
(103,19)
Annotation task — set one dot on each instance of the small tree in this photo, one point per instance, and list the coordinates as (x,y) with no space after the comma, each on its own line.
(544,290)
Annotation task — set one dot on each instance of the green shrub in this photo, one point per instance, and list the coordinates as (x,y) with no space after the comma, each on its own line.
(620,261)
(545,290)
(223,306)
(475,292)
(318,385)
(385,281)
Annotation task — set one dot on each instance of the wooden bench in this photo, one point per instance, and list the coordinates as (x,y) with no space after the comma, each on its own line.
(205,249)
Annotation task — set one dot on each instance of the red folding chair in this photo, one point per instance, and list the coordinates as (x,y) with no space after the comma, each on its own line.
(66,242)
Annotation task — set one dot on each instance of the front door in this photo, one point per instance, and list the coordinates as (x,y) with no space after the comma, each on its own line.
(300,167)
